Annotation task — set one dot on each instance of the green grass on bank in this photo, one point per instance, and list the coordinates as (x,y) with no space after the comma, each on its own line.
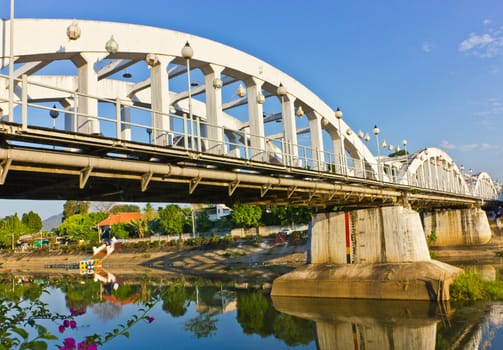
(471,287)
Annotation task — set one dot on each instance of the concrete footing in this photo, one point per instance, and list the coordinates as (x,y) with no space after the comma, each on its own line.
(425,280)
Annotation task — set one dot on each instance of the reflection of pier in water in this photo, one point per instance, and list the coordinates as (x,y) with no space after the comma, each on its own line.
(378,324)
(367,324)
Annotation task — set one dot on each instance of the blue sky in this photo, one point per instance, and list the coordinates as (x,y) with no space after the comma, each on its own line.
(428,71)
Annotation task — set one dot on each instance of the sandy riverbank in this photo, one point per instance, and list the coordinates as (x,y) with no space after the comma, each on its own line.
(260,259)
(263,259)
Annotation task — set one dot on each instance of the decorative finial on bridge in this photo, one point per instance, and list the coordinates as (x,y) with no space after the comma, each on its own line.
(73,31)
(112,46)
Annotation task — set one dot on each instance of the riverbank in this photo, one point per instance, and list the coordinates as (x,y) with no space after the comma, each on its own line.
(265,260)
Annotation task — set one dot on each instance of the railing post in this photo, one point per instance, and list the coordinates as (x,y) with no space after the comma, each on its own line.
(245,141)
(24,102)
(118,118)
(75,109)
(185,139)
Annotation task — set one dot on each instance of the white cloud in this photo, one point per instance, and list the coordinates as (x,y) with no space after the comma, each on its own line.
(486,21)
(475,41)
(491,113)
(444,144)
(427,47)
(486,45)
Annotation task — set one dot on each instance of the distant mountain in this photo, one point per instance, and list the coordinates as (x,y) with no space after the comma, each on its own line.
(52,222)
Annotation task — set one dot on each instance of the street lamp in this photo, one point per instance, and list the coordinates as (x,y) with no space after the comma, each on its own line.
(54,115)
(187,53)
(338,115)
(376,133)
(404,143)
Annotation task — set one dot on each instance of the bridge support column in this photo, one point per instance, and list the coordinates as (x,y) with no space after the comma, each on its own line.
(378,253)
(291,156)
(256,119)
(316,140)
(160,101)
(88,87)
(457,226)
(214,112)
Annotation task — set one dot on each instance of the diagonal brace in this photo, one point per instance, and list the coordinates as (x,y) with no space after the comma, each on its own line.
(145,180)
(84,176)
(4,169)
(193,184)
(232,187)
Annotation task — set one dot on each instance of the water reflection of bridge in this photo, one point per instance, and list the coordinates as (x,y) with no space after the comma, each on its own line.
(370,324)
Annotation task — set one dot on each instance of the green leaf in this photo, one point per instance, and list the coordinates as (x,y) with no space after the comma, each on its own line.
(126,334)
(21,332)
(34,345)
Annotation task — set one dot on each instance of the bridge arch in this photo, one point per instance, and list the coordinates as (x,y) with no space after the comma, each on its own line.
(221,116)
(483,186)
(217,100)
(431,168)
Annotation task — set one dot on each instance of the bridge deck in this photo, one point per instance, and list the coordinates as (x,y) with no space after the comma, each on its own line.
(42,163)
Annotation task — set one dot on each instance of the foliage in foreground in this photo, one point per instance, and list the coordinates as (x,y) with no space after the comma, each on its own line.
(471,287)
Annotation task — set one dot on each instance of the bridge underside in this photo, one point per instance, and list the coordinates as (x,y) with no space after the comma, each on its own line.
(43,163)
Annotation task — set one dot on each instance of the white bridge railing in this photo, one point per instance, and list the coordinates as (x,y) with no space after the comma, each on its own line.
(123,120)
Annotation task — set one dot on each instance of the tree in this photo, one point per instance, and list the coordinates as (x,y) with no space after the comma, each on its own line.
(82,226)
(203,222)
(171,219)
(11,228)
(75,207)
(125,208)
(246,215)
(32,221)
(292,215)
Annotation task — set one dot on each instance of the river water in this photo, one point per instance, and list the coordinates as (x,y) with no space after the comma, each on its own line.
(156,312)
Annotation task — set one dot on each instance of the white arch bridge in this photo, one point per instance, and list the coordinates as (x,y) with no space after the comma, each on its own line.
(112,111)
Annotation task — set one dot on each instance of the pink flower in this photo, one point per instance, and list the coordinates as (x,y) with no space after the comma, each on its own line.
(73,324)
(92,347)
(151,319)
(66,323)
(61,328)
(69,344)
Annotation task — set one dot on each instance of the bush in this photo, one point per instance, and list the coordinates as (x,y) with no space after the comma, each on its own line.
(471,287)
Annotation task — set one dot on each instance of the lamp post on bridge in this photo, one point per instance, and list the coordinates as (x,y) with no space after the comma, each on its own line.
(404,143)
(187,53)
(338,115)
(376,133)
(54,115)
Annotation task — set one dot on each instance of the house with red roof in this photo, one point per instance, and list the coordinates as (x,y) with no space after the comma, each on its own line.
(119,218)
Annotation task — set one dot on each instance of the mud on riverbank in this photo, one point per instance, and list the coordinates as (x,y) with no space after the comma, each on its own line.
(264,260)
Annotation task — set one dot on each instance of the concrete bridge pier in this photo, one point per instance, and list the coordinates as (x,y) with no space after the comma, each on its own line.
(377,253)
(457,226)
